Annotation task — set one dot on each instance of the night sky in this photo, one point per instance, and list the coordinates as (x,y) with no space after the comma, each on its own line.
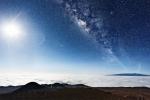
(76,36)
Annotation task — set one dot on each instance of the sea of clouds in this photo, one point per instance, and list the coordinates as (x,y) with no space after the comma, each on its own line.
(91,80)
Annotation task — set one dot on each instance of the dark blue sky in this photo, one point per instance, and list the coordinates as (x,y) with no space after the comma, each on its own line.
(99,36)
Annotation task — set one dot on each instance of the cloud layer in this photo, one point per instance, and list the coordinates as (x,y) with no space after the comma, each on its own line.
(94,80)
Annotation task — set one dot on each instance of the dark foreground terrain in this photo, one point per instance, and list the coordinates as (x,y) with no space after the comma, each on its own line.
(57,91)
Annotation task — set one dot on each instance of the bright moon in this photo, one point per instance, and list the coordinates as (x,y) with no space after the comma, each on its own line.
(11,30)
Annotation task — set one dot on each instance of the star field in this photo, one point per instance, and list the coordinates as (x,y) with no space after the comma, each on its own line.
(77,36)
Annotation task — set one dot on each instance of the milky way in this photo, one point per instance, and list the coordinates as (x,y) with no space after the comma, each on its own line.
(119,26)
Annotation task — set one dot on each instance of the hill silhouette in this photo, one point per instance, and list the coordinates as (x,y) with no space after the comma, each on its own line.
(30,87)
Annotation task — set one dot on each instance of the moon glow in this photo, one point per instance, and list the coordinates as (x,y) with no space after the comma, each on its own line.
(11,30)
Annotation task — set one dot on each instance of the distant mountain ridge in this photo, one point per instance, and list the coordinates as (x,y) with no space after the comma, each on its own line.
(129,74)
